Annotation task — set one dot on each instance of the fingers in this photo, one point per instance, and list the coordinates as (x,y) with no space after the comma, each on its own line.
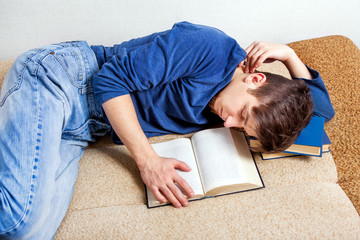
(184,186)
(175,196)
(255,56)
(249,48)
(171,192)
(260,52)
(256,60)
(179,180)
(168,185)
(181,165)
(159,196)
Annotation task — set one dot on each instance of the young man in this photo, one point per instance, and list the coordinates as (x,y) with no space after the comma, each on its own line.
(55,99)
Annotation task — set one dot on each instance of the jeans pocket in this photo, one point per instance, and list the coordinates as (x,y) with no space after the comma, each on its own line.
(86,131)
(71,62)
(81,132)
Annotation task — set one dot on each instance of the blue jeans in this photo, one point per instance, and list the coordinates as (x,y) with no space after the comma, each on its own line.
(48,115)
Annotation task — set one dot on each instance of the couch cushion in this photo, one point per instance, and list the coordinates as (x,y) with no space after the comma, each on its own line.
(109,177)
(337,58)
(317,210)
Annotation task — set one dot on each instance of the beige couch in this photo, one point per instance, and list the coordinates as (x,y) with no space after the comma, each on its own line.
(301,199)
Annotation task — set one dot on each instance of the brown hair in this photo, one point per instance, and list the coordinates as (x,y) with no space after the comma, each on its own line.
(286,108)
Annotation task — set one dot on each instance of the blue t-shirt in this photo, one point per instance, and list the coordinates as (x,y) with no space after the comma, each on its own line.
(171,76)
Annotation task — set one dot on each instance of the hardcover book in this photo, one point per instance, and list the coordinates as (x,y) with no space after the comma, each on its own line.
(220,160)
(309,142)
(325,148)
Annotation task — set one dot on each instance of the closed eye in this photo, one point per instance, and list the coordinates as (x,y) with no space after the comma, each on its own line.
(242,114)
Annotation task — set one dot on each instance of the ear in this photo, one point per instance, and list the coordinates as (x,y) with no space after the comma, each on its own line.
(255,79)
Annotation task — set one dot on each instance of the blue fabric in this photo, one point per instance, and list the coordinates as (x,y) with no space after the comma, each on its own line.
(172,75)
(47,116)
(322,103)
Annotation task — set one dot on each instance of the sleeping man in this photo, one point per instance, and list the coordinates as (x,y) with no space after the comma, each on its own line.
(55,99)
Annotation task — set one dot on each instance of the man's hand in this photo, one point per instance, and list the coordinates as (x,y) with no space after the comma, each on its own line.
(262,52)
(157,173)
(161,177)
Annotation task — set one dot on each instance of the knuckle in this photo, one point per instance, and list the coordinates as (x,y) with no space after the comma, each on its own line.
(180,181)
(163,189)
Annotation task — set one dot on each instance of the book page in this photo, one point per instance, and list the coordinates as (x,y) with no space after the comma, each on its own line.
(181,149)
(222,163)
(246,161)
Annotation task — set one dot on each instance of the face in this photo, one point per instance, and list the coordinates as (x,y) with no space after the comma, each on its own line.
(233,104)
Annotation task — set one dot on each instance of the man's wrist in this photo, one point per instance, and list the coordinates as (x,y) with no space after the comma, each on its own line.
(292,57)
(296,67)
(144,157)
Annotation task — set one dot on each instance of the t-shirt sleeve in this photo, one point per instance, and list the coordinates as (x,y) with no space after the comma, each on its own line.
(320,95)
(185,51)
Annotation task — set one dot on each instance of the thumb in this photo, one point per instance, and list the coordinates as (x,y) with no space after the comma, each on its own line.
(181,165)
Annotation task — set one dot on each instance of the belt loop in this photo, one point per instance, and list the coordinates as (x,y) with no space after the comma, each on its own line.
(82,91)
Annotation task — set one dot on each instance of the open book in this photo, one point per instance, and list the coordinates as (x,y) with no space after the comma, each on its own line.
(220,160)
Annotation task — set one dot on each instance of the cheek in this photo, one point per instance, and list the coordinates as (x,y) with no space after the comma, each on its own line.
(235,107)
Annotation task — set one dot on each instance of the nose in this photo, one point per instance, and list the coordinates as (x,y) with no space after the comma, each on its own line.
(226,124)
(233,122)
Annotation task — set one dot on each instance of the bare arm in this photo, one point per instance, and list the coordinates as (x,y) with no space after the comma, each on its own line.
(260,52)
(158,173)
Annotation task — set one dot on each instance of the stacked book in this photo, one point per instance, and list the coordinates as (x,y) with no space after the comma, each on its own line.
(312,141)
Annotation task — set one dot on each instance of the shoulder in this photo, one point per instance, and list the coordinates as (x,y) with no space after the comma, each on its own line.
(202,37)
(201,31)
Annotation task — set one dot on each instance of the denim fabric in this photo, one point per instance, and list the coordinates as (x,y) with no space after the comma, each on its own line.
(47,117)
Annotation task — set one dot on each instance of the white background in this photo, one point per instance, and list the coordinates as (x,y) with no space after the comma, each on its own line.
(26,24)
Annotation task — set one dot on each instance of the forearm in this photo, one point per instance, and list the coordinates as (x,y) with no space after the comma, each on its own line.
(158,173)
(122,116)
(296,67)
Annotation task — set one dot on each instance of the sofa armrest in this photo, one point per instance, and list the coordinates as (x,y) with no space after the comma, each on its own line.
(337,59)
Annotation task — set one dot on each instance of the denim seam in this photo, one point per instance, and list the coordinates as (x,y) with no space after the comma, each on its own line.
(38,140)
(18,83)
(85,89)
(85,59)
(35,157)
